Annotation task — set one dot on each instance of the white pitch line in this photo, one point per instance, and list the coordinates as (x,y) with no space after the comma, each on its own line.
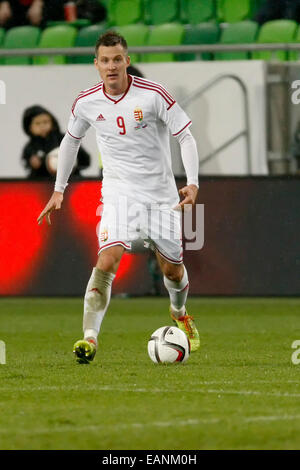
(113,427)
(255,392)
(133,389)
(155,424)
(251,419)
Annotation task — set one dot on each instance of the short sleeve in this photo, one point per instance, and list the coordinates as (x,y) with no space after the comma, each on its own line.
(77,125)
(172,115)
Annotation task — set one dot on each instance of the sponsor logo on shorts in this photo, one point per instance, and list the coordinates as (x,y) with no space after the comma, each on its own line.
(104,236)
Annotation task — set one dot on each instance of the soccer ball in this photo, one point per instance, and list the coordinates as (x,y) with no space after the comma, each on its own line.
(168,344)
(51,161)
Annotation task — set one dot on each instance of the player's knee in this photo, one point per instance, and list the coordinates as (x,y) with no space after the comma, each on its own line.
(109,260)
(173,272)
(108,263)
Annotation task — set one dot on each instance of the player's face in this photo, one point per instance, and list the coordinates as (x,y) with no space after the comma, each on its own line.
(41,125)
(112,63)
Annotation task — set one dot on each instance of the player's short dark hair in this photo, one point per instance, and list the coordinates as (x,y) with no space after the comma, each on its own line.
(110,38)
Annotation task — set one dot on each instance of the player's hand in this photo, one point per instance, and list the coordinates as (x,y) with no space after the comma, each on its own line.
(35,162)
(189,193)
(53,204)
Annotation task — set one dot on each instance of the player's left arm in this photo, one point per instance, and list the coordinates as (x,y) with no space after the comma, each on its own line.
(190,160)
(175,118)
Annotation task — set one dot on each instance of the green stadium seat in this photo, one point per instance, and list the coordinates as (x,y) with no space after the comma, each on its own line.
(135,35)
(21,37)
(160,12)
(272,32)
(232,11)
(122,12)
(2,34)
(203,33)
(295,55)
(243,32)
(79,23)
(87,37)
(197,11)
(56,36)
(169,34)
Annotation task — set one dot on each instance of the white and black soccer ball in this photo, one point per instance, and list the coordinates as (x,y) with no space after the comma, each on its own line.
(168,344)
(51,161)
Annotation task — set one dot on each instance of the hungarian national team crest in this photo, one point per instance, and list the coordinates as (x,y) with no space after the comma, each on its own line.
(138,116)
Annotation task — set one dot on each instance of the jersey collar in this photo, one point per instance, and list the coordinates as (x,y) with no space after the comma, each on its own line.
(124,94)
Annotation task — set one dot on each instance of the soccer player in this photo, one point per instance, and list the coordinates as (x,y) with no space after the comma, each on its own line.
(132,118)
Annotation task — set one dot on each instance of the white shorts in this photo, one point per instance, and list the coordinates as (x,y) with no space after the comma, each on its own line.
(159,227)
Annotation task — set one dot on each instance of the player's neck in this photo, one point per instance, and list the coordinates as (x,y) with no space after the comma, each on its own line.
(118,89)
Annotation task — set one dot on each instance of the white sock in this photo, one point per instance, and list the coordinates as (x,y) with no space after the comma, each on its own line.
(96,301)
(178,292)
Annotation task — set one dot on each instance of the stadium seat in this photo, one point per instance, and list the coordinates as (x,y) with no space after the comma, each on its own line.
(272,32)
(295,55)
(169,34)
(243,32)
(160,12)
(136,35)
(2,34)
(232,11)
(56,36)
(203,33)
(20,37)
(87,37)
(122,12)
(197,11)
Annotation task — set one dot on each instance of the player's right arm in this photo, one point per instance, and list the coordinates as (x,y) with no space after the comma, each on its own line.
(67,156)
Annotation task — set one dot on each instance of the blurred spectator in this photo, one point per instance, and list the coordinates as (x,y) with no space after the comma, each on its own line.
(21,12)
(278,9)
(38,12)
(41,152)
(132,70)
(91,10)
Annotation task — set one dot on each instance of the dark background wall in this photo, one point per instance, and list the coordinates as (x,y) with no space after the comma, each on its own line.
(251,246)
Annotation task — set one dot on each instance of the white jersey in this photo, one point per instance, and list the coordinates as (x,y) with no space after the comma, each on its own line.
(132,134)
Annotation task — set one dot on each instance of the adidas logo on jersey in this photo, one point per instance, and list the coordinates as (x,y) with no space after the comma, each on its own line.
(100,118)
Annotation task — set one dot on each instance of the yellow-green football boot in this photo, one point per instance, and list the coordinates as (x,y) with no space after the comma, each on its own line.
(85,350)
(187,325)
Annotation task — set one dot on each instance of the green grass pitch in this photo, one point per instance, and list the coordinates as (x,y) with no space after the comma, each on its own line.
(240,391)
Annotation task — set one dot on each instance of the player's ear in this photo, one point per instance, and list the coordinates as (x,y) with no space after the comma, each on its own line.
(128,61)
